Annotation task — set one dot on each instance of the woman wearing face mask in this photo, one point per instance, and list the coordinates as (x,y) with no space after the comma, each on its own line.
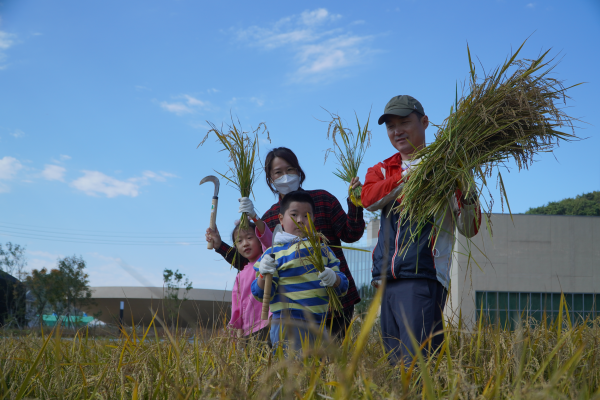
(284,175)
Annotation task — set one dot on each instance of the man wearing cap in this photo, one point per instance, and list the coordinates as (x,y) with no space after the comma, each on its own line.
(417,273)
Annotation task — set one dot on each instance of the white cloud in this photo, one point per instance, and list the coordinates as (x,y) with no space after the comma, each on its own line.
(318,16)
(318,48)
(94,183)
(168,175)
(190,105)
(65,157)
(7,40)
(531,5)
(41,259)
(257,101)
(212,90)
(9,167)
(54,173)
(17,133)
(176,108)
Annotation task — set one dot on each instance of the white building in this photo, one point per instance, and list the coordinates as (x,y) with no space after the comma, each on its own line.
(523,268)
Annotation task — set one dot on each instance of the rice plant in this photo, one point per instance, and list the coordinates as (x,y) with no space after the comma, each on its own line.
(243,152)
(511,114)
(539,360)
(316,252)
(349,151)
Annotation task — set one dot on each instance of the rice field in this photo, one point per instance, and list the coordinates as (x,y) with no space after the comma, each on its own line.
(538,360)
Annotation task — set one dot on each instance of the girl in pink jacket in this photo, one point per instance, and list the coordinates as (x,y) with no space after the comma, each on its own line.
(245,309)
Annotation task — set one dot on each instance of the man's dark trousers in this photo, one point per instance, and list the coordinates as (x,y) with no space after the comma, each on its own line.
(419,303)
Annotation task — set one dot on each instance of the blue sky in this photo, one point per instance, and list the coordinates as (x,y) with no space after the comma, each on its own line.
(102,105)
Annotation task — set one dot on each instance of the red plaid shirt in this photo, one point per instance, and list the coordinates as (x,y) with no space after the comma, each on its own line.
(332,221)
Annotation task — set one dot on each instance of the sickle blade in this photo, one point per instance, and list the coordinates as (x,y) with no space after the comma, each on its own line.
(213,179)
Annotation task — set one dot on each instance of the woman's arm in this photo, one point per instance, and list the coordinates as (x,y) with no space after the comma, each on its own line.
(347,227)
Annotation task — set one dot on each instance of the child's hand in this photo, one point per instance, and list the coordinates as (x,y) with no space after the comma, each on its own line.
(214,237)
(247,207)
(328,278)
(268,265)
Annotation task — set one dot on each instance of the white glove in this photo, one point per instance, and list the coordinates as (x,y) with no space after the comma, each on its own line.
(247,207)
(268,265)
(376,283)
(328,277)
(412,164)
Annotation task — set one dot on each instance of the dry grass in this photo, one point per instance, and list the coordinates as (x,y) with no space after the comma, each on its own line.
(534,362)
(317,254)
(349,149)
(511,114)
(244,154)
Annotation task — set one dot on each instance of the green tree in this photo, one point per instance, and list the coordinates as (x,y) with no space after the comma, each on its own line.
(584,204)
(175,283)
(73,283)
(12,291)
(45,289)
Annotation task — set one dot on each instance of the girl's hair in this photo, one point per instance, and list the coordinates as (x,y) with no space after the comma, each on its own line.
(237,226)
(237,257)
(289,157)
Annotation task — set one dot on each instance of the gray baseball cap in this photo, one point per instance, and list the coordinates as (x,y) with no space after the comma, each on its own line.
(401,106)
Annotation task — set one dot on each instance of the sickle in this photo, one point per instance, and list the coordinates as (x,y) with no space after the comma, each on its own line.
(215,203)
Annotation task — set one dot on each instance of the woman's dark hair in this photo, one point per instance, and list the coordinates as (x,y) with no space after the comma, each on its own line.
(289,157)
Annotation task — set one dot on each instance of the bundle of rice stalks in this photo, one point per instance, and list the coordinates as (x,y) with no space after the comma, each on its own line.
(243,155)
(318,252)
(350,152)
(511,114)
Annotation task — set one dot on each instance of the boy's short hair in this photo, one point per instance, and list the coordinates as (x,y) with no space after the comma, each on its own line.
(299,196)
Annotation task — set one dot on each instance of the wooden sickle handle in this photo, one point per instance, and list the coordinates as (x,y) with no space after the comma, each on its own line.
(264,315)
(213,219)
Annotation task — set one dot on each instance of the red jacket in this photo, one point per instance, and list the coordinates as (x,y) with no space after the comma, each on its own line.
(382,180)
(429,259)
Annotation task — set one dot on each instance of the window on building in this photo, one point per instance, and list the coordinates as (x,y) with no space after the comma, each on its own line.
(507,308)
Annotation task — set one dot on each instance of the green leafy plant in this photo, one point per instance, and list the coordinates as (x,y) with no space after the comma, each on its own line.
(176,289)
(583,204)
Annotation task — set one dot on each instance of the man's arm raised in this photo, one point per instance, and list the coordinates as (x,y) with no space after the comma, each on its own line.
(378,190)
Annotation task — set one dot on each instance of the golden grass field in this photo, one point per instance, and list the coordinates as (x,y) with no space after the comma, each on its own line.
(535,361)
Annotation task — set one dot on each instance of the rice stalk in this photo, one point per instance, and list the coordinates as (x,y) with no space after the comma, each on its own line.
(509,115)
(550,363)
(243,150)
(349,151)
(316,252)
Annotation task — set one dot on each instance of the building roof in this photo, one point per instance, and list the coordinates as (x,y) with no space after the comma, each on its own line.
(140,292)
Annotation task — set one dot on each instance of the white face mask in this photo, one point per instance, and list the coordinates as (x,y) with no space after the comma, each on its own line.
(287,183)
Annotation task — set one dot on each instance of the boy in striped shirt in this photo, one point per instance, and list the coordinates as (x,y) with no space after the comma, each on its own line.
(298,292)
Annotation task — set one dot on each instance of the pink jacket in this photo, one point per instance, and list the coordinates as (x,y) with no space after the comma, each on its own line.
(245,309)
